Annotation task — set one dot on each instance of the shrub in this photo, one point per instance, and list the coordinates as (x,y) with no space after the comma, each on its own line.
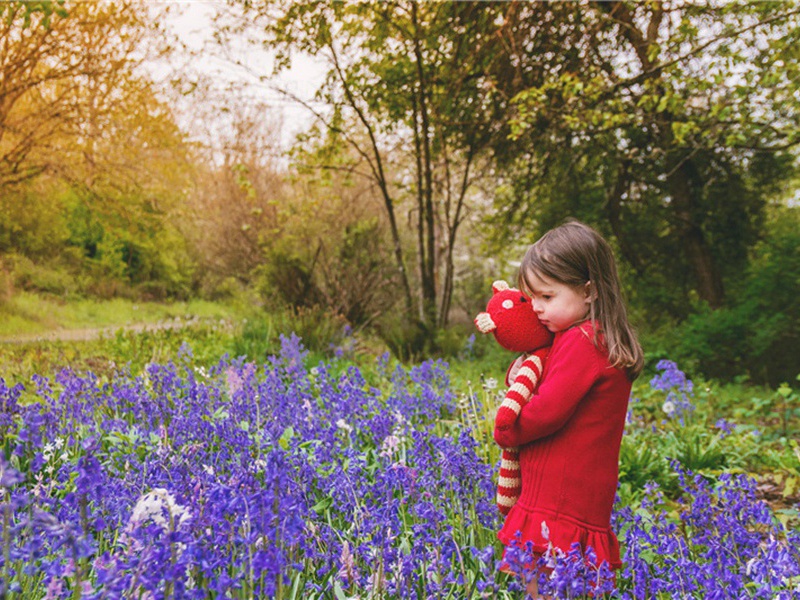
(758,332)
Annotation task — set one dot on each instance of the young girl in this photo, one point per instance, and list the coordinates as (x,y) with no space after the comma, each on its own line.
(571,429)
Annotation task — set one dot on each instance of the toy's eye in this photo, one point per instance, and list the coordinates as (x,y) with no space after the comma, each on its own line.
(508,304)
(522,299)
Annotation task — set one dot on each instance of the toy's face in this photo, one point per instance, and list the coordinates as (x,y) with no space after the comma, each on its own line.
(509,315)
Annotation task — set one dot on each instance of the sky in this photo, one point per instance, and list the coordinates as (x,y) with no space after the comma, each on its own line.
(192,21)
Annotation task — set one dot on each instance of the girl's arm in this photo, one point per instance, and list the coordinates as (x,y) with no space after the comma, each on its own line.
(574,367)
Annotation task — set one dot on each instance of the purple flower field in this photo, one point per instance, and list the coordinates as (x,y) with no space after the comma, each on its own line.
(287,480)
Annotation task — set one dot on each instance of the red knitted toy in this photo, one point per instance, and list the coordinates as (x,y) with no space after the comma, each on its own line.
(509,316)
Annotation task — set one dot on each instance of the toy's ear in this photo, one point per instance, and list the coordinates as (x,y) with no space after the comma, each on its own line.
(484,322)
(500,285)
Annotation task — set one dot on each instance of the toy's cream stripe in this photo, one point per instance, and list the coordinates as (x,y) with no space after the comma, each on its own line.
(511,465)
(506,500)
(529,373)
(509,482)
(511,404)
(537,361)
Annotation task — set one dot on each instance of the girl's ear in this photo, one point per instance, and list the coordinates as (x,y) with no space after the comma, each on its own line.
(590,291)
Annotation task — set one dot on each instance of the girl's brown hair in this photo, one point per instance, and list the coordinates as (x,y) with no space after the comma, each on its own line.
(575,254)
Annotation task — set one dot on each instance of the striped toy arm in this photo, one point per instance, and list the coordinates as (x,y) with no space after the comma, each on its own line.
(509,481)
(520,391)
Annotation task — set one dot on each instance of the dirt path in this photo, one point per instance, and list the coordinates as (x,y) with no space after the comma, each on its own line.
(86,334)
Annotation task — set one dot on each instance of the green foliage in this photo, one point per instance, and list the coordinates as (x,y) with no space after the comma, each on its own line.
(321,331)
(328,250)
(358,279)
(287,279)
(758,332)
(407,341)
(11,9)
(63,246)
(407,95)
(92,162)
(131,350)
(727,427)
(665,153)
(641,462)
(50,277)
(31,222)
(6,285)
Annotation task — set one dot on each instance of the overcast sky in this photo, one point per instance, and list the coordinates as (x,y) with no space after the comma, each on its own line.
(192,21)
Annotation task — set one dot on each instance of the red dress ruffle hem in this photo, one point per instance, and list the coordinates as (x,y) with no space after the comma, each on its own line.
(562,533)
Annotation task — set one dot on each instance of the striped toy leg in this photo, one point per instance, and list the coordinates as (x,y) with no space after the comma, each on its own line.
(509,484)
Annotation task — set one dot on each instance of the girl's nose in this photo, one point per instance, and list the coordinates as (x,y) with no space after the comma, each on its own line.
(537,306)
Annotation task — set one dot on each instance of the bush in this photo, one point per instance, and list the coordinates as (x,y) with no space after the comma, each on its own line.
(758,332)
(43,277)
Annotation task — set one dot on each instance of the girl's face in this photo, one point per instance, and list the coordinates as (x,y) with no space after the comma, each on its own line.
(559,306)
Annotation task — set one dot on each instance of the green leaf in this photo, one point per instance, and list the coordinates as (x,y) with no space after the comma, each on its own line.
(323,505)
(338,591)
(286,437)
(790,486)
(220,414)
(653,50)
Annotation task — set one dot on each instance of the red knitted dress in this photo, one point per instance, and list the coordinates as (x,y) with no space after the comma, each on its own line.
(570,432)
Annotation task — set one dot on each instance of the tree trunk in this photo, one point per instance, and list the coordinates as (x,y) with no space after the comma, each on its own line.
(614,215)
(379,176)
(695,246)
(427,220)
(452,230)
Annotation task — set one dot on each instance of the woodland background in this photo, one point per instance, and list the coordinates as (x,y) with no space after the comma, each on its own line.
(444,139)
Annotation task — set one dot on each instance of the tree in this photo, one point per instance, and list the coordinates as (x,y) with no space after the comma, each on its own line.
(237,191)
(84,127)
(668,123)
(48,52)
(405,93)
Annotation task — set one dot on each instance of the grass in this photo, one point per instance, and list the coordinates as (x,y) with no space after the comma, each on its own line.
(26,313)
